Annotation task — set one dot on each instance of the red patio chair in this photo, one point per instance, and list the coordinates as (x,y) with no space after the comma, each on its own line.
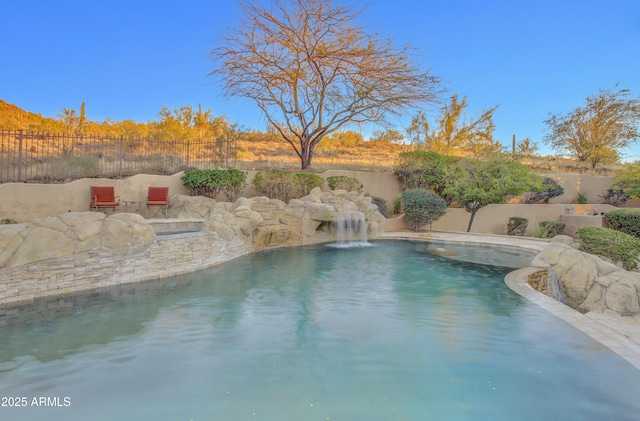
(103,197)
(158,196)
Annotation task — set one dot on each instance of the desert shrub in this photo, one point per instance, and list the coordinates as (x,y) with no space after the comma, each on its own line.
(611,244)
(397,205)
(422,207)
(517,225)
(343,182)
(550,229)
(422,169)
(305,182)
(285,185)
(233,182)
(381,204)
(582,199)
(275,184)
(615,197)
(550,188)
(624,220)
(209,183)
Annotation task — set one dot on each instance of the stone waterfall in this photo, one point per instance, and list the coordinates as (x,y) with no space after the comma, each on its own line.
(351,229)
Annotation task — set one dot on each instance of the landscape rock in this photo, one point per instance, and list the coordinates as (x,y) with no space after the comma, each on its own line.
(260,222)
(190,207)
(588,283)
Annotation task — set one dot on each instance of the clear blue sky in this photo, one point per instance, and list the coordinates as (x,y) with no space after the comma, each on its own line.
(128,59)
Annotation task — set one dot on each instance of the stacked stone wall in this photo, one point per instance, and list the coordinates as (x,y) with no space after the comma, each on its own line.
(172,255)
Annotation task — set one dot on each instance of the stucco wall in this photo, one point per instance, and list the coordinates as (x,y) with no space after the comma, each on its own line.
(24,202)
(493,219)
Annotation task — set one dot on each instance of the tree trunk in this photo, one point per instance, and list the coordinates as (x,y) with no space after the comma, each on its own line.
(473,215)
(306,153)
(306,161)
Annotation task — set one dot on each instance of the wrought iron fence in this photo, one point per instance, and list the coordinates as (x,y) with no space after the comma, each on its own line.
(50,158)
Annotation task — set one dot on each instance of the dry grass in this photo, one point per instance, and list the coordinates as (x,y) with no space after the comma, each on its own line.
(262,156)
(380,157)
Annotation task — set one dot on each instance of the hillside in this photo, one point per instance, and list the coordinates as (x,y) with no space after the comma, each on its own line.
(15,118)
(261,151)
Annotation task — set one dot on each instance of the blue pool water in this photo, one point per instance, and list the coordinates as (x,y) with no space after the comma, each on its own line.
(388,332)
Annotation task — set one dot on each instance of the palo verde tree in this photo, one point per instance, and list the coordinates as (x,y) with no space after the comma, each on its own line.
(311,70)
(478,183)
(452,132)
(597,131)
(629,180)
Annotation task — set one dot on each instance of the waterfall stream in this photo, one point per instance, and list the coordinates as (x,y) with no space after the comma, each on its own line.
(351,229)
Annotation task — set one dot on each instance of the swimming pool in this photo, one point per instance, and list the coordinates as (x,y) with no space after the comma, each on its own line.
(388,332)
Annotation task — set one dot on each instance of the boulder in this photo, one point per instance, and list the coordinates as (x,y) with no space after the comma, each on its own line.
(127,233)
(575,270)
(621,293)
(588,283)
(41,243)
(190,207)
(10,241)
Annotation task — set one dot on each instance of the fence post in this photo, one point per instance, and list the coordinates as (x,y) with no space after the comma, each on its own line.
(121,155)
(20,138)
(226,154)
(187,153)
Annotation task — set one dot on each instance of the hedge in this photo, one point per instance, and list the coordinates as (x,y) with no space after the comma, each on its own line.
(624,220)
(611,244)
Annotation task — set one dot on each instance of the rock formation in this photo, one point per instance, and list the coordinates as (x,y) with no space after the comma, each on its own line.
(70,233)
(588,283)
(260,222)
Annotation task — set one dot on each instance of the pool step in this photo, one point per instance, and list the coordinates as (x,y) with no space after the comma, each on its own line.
(175,226)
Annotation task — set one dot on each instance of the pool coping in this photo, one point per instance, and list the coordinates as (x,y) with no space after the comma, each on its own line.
(601,327)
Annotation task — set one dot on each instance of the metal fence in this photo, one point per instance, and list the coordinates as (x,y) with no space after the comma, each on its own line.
(50,158)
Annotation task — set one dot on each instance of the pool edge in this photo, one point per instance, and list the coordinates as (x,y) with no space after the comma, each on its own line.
(612,338)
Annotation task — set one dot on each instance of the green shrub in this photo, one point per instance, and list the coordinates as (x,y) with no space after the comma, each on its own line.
(397,205)
(275,184)
(209,183)
(611,244)
(624,220)
(615,197)
(381,204)
(422,169)
(550,189)
(285,185)
(517,225)
(343,182)
(550,229)
(422,207)
(582,199)
(539,232)
(305,182)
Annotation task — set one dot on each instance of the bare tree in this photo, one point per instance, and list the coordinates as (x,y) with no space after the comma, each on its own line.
(311,70)
(596,132)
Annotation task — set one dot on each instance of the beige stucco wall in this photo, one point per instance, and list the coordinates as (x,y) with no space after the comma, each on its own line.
(494,218)
(591,186)
(24,202)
